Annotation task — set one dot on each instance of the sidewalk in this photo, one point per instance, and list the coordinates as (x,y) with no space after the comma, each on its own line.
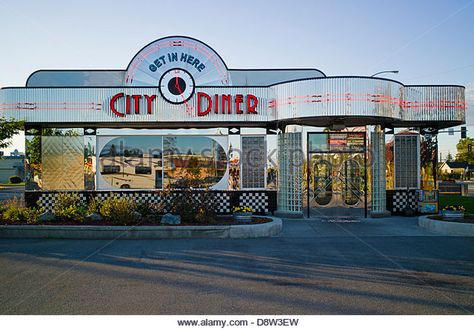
(356,227)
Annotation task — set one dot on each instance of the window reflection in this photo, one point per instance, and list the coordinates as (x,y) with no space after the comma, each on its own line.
(89,162)
(193,161)
(33,167)
(132,162)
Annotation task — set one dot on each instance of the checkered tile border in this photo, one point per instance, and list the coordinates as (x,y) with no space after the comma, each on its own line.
(258,201)
(261,201)
(47,200)
(402,197)
(222,200)
(222,203)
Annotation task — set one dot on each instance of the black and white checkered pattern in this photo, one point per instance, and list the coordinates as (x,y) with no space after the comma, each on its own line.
(222,200)
(46,200)
(402,197)
(145,197)
(258,201)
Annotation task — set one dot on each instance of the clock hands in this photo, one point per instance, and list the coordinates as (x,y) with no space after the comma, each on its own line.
(188,108)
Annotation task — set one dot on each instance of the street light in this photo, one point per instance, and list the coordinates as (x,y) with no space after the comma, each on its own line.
(387,71)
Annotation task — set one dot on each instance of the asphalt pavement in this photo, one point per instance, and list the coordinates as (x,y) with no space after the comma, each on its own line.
(378,266)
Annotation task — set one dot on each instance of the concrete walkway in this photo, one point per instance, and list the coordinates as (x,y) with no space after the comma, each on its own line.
(322,227)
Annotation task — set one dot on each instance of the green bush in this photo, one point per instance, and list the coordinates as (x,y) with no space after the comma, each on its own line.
(15,212)
(68,206)
(15,179)
(120,210)
(193,207)
(94,205)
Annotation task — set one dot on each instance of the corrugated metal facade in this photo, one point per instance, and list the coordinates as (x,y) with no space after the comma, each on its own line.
(311,98)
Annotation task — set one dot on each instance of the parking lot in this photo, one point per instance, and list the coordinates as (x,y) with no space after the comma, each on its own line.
(378,266)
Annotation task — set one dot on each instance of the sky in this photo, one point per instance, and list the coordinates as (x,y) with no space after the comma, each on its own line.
(429,42)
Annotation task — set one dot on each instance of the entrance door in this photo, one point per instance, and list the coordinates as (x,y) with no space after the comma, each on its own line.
(336,176)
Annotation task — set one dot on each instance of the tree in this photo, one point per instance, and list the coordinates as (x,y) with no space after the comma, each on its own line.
(8,128)
(463,154)
(449,157)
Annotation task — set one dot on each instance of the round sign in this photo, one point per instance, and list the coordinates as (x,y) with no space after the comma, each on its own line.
(176,86)
(195,60)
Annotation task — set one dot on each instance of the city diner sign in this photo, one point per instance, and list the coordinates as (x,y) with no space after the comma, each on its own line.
(122,104)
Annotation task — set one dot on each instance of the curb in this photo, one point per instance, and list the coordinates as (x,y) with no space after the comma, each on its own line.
(445,227)
(268,229)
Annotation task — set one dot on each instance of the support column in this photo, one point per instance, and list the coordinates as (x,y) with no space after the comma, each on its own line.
(379,193)
(290,185)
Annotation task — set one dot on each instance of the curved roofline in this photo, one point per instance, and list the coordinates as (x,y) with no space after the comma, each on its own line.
(176,36)
(54,70)
(239,86)
(281,69)
(367,77)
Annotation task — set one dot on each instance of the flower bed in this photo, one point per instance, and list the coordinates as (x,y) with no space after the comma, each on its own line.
(118,210)
(453,212)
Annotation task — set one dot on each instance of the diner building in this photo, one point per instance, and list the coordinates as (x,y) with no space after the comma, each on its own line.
(294,142)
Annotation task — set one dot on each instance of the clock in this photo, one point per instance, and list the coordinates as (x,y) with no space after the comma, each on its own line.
(176,86)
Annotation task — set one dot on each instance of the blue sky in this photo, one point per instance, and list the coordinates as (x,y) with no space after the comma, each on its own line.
(430,42)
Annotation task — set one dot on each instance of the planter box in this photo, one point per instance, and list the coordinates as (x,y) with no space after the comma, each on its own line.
(242,216)
(452,215)
(266,229)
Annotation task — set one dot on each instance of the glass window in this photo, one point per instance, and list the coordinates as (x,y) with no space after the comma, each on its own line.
(131,162)
(193,161)
(33,166)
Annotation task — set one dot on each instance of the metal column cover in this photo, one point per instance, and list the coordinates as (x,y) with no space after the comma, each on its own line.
(290,159)
(379,202)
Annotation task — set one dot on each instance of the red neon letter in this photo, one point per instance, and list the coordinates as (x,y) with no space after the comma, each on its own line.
(127,104)
(251,107)
(149,100)
(136,99)
(238,99)
(209,104)
(226,100)
(112,104)
(216,103)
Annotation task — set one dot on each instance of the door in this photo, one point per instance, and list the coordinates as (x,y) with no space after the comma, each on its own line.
(336,182)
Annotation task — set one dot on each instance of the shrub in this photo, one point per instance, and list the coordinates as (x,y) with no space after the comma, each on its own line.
(75,213)
(94,205)
(120,210)
(68,206)
(15,212)
(151,212)
(194,207)
(15,179)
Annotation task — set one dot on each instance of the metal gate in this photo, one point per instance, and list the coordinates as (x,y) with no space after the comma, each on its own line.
(336,174)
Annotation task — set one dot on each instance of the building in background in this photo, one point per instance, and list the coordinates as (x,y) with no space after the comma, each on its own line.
(11,166)
(456,168)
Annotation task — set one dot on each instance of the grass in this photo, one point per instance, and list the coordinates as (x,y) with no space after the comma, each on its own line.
(8,184)
(466,201)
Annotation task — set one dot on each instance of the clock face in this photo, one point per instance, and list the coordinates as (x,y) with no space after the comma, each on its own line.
(176,86)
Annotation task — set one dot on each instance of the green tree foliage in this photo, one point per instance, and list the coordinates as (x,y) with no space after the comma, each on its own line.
(449,157)
(33,149)
(8,128)
(463,154)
